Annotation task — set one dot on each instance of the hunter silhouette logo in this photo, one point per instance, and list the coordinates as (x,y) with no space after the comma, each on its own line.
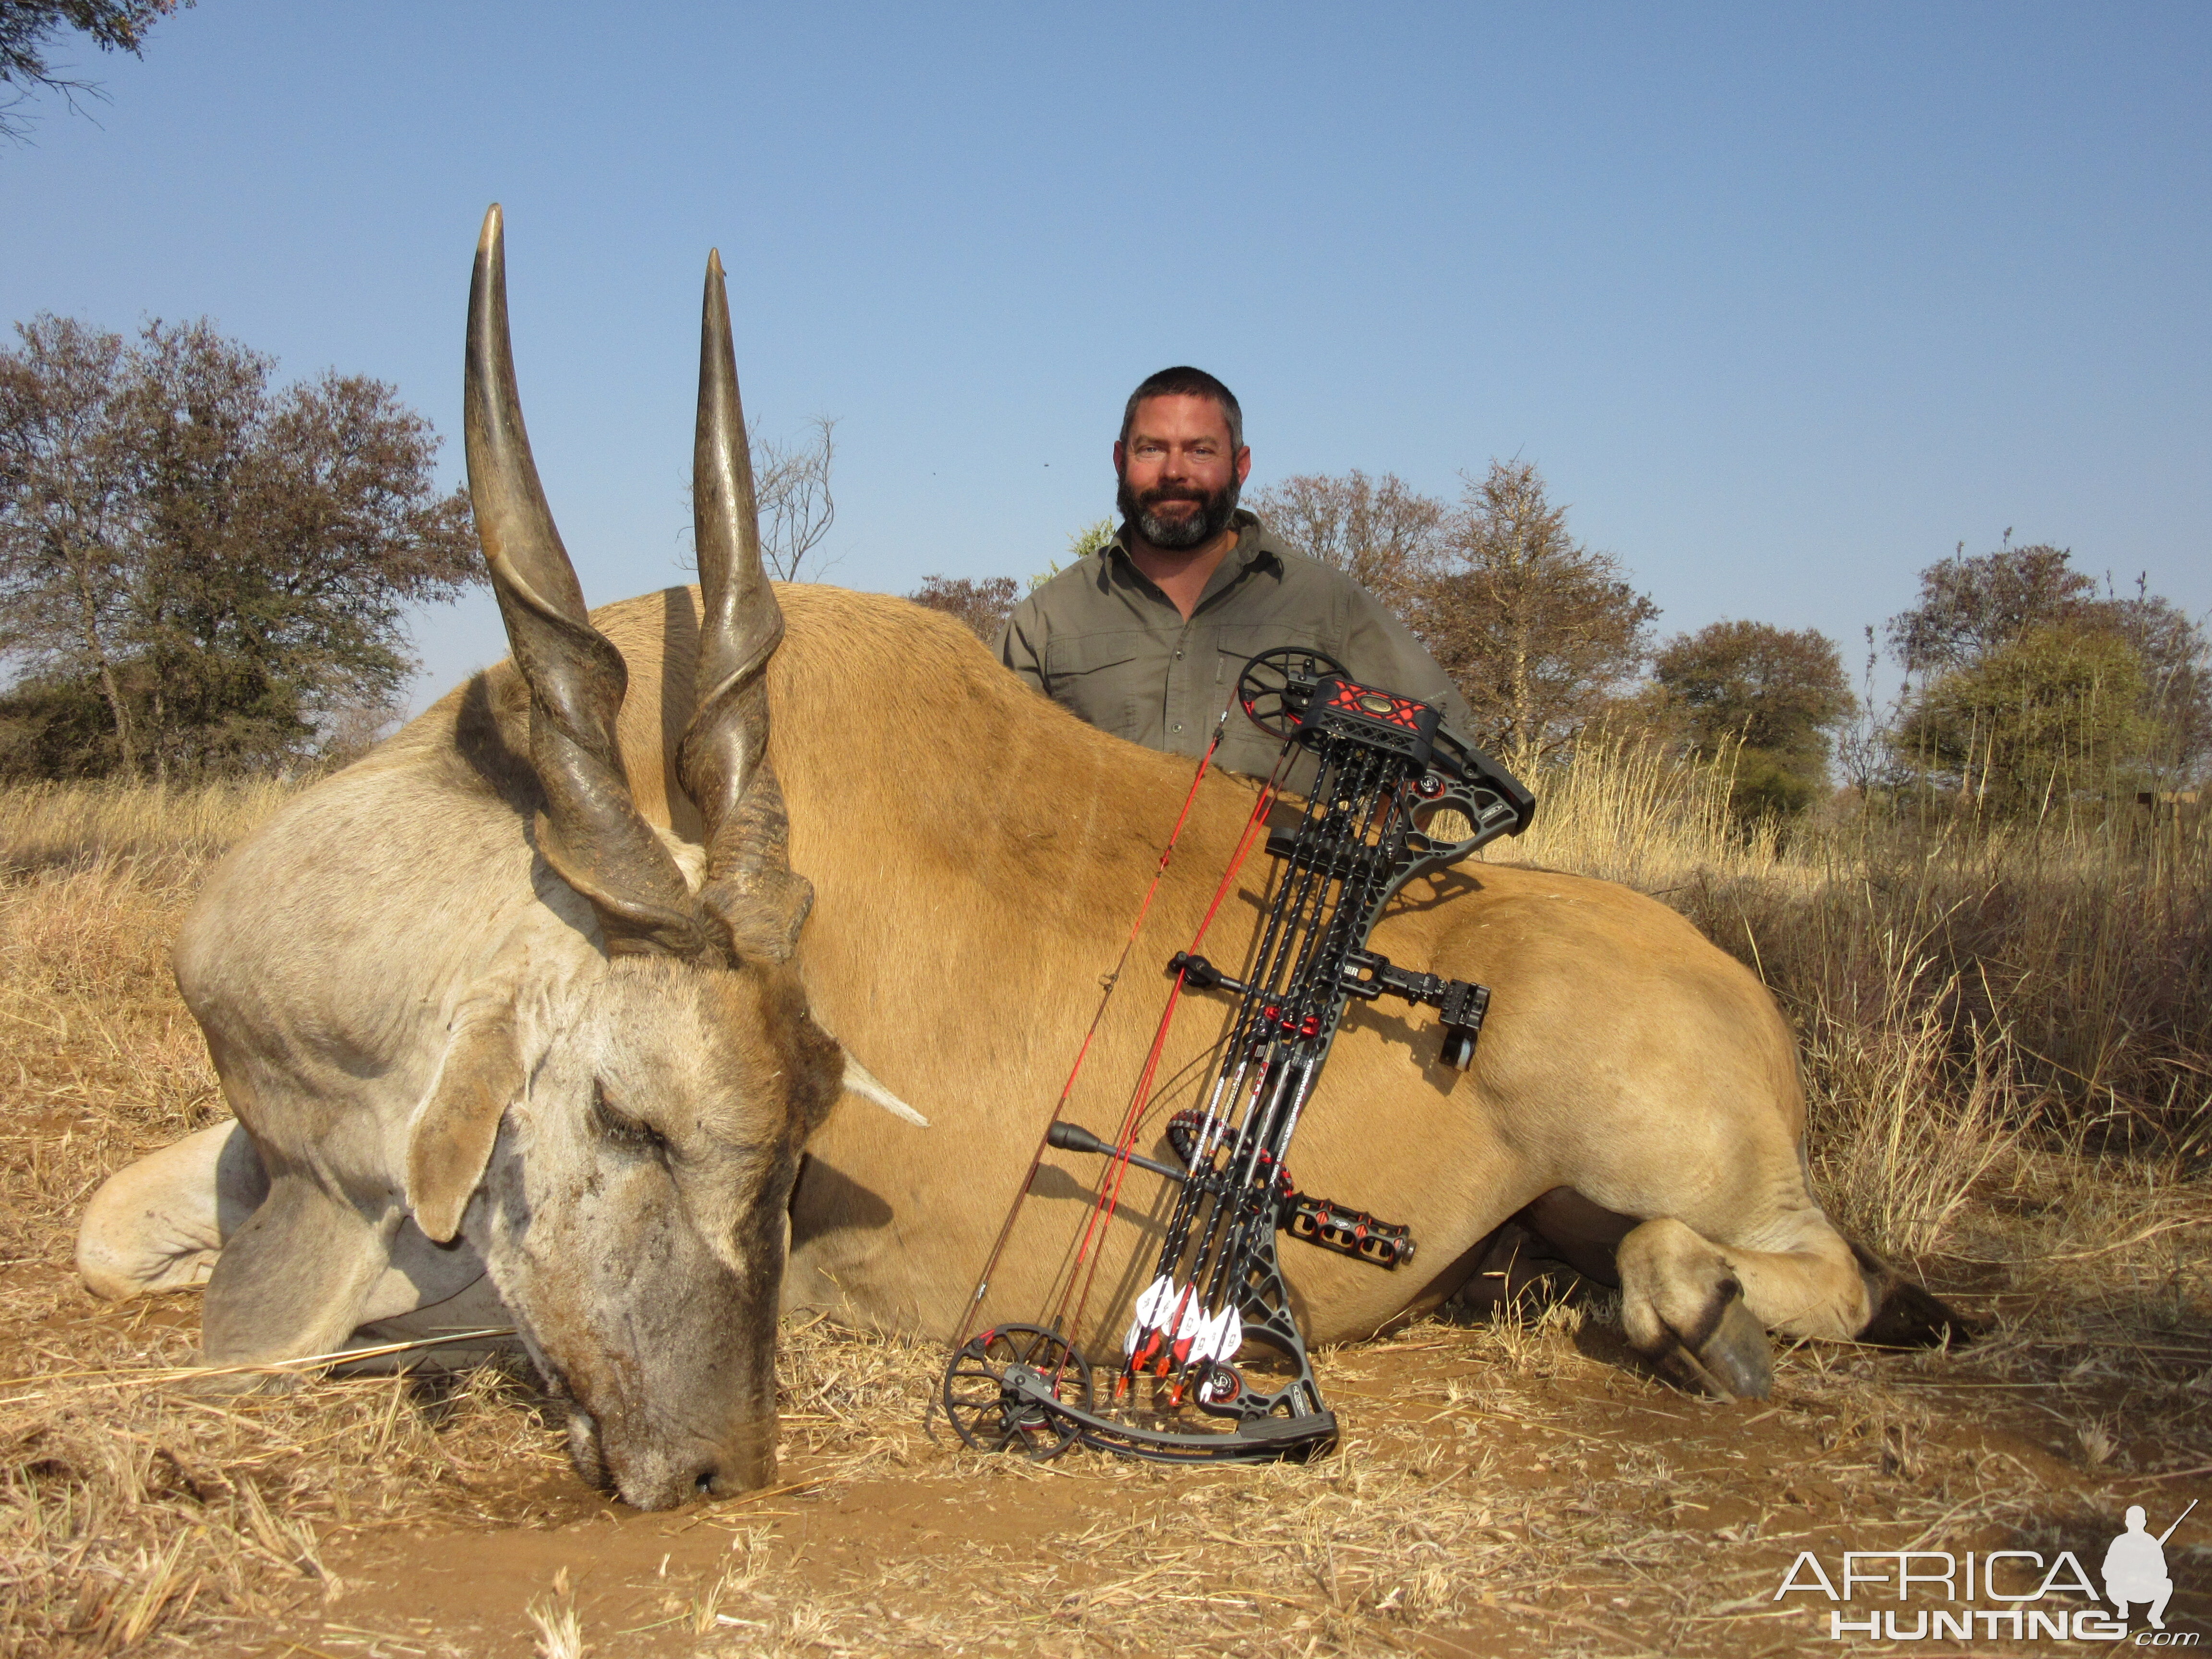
(2030,1593)
(2134,1567)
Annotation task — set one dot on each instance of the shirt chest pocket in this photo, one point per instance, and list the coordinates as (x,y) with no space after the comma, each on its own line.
(1099,676)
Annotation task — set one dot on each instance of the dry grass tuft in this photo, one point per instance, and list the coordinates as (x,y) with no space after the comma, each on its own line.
(1960,988)
(560,1631)
(1625,810)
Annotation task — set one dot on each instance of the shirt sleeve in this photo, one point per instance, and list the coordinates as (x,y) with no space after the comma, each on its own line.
(1021,643)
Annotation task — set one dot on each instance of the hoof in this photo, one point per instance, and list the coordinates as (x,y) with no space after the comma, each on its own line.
(1732,1361)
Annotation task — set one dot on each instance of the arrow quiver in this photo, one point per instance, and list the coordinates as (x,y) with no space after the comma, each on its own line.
(1383,768)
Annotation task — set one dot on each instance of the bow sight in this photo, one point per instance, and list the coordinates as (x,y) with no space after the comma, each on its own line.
(1383,767)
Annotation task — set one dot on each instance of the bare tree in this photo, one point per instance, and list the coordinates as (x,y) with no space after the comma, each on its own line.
(792,484)
(27,32)
(65,503)
(1539,632)
(1381,533)
(1970,607)
(350,731)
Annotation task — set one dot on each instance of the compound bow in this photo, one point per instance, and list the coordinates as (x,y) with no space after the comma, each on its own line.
(1381,763)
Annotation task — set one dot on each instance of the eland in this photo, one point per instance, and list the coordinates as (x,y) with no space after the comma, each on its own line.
(567,1009)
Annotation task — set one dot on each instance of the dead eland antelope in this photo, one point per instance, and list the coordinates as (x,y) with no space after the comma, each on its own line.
(526,1018)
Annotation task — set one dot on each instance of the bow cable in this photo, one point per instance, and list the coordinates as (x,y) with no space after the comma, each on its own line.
(1111,983)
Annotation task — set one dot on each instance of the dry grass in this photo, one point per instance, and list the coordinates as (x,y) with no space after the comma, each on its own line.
(45,824)
(2004,1051)
(1626,811)
(1959,986)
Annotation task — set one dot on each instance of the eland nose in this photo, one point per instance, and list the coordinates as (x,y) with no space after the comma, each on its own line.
(722,1481)
(744,1468)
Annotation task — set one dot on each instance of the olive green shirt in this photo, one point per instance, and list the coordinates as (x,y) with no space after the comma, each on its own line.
(1100,639)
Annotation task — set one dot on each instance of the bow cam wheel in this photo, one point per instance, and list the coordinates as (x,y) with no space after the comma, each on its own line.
(1276,685)
(986,1411)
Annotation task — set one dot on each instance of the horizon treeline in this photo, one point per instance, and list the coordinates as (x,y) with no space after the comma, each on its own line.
(205,573)
(2027,683)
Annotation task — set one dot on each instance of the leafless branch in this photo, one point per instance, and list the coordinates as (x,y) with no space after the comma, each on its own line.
(791,484)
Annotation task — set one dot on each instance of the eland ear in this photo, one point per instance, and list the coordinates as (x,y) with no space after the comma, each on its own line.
(859,1080)
(451,1139)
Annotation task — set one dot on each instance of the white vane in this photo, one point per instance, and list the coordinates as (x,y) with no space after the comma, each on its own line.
(1192,1323)
(1153,1307)
(1223,1335)
(1201,1339)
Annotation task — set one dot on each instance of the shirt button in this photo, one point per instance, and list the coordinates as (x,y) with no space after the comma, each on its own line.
(1178,656)
(1174,728)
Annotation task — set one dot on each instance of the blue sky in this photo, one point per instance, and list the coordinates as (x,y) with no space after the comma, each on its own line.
(1785,301)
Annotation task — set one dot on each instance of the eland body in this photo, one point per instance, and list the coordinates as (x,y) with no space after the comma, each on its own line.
(526,1019)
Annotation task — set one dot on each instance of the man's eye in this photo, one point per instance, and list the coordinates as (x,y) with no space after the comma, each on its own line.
(621,1127)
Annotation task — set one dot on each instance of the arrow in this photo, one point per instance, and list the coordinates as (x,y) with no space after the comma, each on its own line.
(1188,1329)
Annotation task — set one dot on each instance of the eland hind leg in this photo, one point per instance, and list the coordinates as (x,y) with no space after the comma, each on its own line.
(284,1279)
(1700,1308)
(1677,1120)
(159,1223)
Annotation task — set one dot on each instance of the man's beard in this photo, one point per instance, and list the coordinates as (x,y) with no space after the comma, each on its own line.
(1177,535)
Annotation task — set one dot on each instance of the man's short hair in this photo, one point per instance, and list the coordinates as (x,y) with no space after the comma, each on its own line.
(1184,381)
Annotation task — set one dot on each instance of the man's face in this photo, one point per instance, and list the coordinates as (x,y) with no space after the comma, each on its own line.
(1179,474)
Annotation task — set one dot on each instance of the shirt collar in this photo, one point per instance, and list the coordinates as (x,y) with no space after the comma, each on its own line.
(1254,546)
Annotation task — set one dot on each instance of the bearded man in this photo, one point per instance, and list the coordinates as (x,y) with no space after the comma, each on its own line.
(1145,638)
